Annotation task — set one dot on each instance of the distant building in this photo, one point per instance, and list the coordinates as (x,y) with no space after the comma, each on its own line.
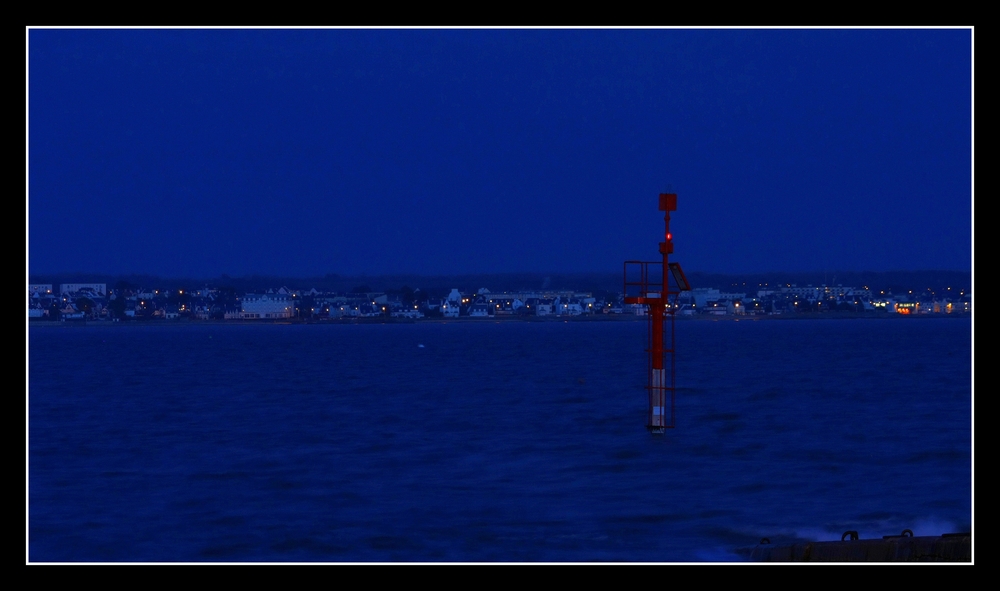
(451,306)
(97,289)
(268,305)
(704,297)
(39,289)
(479,310)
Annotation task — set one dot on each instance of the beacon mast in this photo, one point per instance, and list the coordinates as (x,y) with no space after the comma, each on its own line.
(648,283)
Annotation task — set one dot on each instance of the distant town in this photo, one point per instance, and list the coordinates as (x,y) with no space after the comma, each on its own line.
(125,302)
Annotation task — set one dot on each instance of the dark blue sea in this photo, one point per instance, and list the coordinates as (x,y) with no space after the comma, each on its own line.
(490,441)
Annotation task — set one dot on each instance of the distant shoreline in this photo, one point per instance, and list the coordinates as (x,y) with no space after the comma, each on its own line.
(490,319)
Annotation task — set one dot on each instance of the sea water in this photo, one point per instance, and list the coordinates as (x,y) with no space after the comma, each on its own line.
(490,441)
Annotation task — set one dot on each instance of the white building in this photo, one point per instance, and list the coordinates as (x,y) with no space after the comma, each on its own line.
(407,313)
(451,306)
(98,289)
(268,305)
(704,296)
(567,307)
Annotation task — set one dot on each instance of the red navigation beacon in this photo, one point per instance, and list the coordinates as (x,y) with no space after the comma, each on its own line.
(648,283)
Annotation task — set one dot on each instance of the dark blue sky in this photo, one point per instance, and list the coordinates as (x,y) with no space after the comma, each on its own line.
(193,153)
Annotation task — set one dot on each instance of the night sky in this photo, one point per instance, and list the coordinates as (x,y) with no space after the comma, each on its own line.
(302,152)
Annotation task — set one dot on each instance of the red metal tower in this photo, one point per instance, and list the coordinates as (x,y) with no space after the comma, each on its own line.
(648,283)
